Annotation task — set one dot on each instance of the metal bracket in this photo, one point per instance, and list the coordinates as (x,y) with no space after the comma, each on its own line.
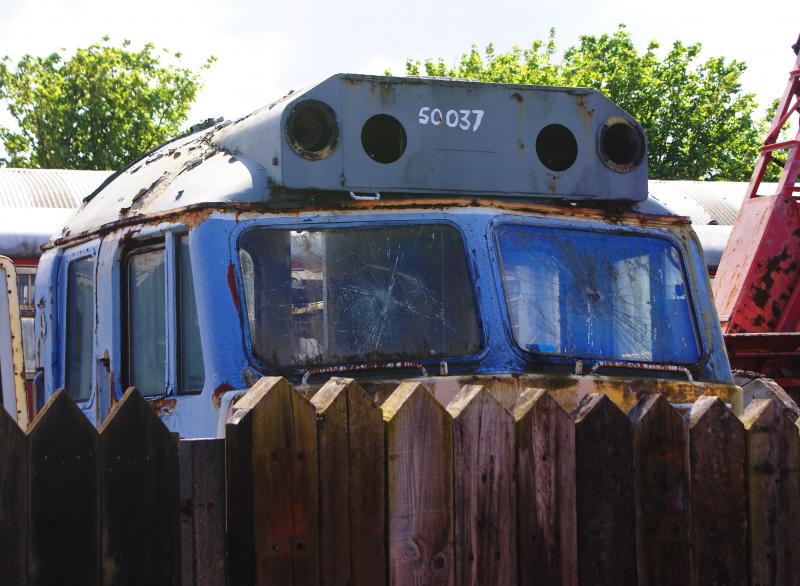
(375,197)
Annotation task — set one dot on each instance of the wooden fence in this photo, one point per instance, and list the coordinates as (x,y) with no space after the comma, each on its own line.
(338,490)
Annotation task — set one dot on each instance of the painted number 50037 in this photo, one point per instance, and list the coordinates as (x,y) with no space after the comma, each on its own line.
(463,119)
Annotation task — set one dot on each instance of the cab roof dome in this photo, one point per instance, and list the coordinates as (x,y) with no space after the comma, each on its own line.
(367,134)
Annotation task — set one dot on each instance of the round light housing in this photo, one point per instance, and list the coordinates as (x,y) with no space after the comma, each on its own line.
(311,129)
(620,144)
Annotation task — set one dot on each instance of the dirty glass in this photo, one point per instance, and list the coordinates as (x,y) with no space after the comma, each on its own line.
(599,295)
(190,353)
(147,322)
(79,329)
(28,345)
(346,295)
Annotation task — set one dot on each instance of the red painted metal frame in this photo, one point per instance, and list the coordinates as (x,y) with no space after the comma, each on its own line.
(756,285)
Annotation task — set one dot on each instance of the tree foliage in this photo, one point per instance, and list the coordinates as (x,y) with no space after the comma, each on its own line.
(97,109)
(700,123)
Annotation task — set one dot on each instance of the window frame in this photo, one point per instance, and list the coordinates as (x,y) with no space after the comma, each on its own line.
(168,241)
(321,223)
(177,314)
(591,227)
(70,257)
(27,311)
(143,247)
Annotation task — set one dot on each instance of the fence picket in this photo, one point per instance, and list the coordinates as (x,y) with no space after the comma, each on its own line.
(546,490)
(273,482)
(485,490)
(773,486)
(63,496)
(604,494)
(351,473)
(719,499)
(139,496)
(419,480)
(202,482)
(13,504)
(661,470)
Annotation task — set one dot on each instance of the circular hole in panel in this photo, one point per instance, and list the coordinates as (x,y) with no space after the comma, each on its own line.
(556,147)
(383,138)
(311,129)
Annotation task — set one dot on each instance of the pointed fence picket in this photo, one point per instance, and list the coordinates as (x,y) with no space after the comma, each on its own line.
(335,489)
(351,447)
(719,496)
(546,484)
(661,473)
(604,484)
(63,491)
(485,489)
(13,502)
(273,499)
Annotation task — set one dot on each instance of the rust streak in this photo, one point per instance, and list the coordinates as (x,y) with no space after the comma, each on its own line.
(164,407)
(194,214)
(216,396)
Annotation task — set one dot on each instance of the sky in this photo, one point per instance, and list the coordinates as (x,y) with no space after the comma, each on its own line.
(265,48)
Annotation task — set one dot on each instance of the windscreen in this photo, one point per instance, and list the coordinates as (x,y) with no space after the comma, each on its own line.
(601,295)
(354,295)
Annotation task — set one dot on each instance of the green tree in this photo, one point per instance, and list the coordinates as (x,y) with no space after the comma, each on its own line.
(97,109)
(700,124)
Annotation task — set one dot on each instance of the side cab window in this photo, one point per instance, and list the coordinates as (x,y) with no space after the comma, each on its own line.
(79,327)
(161,337)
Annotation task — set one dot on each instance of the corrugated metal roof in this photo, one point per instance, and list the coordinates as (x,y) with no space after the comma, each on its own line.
(47,188)
(705,202)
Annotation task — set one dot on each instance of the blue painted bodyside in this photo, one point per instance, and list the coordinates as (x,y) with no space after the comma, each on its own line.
(229,362)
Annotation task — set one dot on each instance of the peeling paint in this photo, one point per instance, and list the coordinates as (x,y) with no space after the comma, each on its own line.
(164,407)
(216,396)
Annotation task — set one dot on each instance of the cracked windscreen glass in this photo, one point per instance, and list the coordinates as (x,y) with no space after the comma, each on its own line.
(354,295)
(602,295)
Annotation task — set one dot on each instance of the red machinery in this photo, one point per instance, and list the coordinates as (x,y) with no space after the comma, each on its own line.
(757,285)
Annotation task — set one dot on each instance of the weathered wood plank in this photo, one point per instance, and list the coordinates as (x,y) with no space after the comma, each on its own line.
(272,447)
(351,474)
(661,470)
(604,494)
(419,478)
(63,491)
(202,482)
(719,498)
(139,494)
(239,498)
(773,486)
(485,489)
(546,491)
(13,502)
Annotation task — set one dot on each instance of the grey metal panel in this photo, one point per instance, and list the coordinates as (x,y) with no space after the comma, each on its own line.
(47,188)
(498,159)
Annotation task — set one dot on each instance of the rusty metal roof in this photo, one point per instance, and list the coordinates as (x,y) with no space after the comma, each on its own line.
(47,188)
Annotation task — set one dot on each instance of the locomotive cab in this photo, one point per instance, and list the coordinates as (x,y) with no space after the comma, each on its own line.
(382,228)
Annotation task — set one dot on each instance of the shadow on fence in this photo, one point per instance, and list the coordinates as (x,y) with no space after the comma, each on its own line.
(339,490)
